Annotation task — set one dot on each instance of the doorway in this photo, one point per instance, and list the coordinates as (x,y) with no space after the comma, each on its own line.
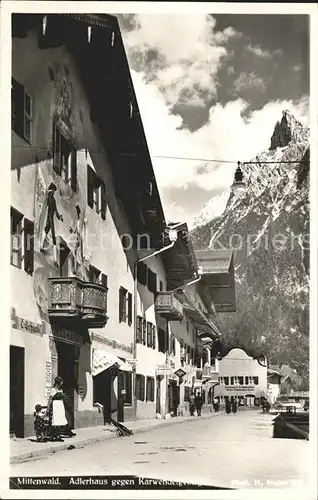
(102,390)
(16,391)
(120,396)
(158,399)
(173,393)
(67,367)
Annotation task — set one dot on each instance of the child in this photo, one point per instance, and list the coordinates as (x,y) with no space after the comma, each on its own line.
(40,423)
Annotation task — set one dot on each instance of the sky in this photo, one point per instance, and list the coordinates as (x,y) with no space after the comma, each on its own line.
(212,87)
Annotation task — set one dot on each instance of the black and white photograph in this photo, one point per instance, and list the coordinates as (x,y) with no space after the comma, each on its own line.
(162,283)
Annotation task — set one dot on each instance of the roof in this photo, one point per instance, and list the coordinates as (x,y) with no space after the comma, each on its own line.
(201,319)
(214,261)
(218,274)
(114,108)
(180,261)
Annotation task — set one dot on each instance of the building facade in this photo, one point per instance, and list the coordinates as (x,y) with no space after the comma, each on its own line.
(131,338)
(242,377)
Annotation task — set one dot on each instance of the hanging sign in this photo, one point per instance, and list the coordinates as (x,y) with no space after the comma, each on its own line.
(180,373)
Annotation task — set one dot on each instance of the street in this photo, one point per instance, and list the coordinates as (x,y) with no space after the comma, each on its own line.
(228,450)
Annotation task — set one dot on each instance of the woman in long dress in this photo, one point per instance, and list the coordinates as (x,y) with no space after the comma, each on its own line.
(56,410)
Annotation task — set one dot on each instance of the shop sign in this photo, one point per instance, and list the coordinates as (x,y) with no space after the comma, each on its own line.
(163,369)
(68,336)
(241,388)
(180,373)
(25,325)
(110,342)
(48,379)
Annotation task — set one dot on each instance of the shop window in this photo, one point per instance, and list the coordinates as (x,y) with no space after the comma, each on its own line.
(161,340)
(255,380)
(96,193)
(22,242)
(140,387)
(226,380)
(125,306)
(128,388)
(21,111)
(64,157)
(150,389)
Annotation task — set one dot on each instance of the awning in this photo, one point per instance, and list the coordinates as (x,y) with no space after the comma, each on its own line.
(102,360)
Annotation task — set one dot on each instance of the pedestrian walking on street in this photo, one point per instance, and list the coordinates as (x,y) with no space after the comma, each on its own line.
(234,406)
(216,405)
(56,410)
(191,404)
(198,404)
(227,406)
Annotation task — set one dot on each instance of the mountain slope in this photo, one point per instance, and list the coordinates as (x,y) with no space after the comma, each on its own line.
(269,229)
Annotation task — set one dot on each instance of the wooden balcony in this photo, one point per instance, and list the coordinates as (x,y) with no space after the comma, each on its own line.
(168,306)
(73,299)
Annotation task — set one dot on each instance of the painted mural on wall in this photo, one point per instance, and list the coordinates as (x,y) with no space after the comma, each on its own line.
(60,211)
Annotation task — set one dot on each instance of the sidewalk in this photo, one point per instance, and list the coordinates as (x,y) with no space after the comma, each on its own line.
(22,450)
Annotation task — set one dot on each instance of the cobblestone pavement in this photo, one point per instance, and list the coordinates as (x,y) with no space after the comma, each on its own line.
(231,451)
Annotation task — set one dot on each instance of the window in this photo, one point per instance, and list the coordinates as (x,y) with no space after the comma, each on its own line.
(186,394)
(94,274)
(152,281)
(144,331)
(64,258)
(64,157)
(161,286)
(246,380)
(140,387)
(125,306)
(173,345)
(240,380)
(21,111)
(96,193)
(150,389)
(161,340)
(128,388)
(232,380)
(213,363)
(226,380)
(255,379)
(22,242)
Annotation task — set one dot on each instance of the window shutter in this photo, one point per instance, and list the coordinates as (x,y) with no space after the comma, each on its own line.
(149,328)
(18,104)
(142,273)
(154,337)
(139,330)
(144,329)
(129,309)
(152,281)
(28,246)
(121,304)
(57,160)
(90,184)
(74,170)
(103,200)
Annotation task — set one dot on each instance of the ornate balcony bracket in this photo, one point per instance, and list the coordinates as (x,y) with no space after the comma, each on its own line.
(71,299)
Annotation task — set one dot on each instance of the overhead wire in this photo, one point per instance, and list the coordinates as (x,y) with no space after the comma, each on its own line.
(206,160)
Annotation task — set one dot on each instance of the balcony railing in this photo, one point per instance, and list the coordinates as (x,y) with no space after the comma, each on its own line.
(72,298)
(168,306)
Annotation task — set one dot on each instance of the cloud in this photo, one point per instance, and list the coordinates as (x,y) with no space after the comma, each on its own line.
(189,54)
(227,135)
(247,81)
(263,53)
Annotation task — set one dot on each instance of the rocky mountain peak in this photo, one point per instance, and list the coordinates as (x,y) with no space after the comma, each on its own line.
(287,130)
